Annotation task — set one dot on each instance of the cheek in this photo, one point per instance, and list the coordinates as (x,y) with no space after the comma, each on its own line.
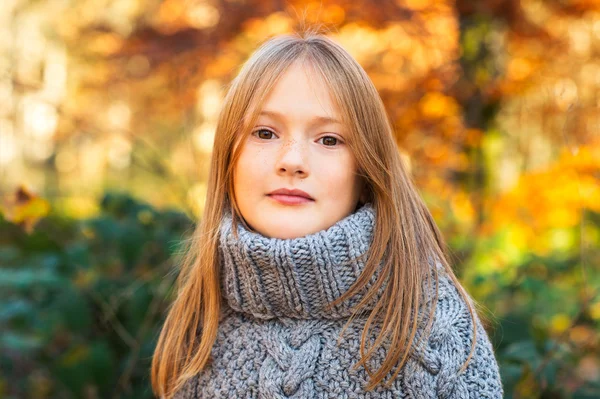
(339,177)
(249,170)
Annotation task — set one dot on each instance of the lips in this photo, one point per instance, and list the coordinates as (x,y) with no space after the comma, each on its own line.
(291,192)
(293,197)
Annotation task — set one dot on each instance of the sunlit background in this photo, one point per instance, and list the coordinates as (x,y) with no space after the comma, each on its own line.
(107,119)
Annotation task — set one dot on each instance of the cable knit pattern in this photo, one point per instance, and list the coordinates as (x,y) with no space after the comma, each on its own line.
(276,340)
(269,277)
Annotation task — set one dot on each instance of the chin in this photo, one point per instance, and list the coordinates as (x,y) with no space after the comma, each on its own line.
(288,227)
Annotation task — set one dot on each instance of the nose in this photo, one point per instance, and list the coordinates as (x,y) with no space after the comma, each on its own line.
(292,159)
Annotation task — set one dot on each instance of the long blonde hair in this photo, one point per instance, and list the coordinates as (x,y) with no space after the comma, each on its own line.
(405,237)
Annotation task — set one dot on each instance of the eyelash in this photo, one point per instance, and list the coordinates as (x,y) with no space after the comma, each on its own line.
(338,141)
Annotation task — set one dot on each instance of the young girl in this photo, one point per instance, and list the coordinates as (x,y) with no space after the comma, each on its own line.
(317,271)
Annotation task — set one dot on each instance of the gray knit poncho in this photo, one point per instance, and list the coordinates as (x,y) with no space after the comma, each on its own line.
(276,341)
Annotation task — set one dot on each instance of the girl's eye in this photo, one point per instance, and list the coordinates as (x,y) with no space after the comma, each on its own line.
(263,134)
(329,141)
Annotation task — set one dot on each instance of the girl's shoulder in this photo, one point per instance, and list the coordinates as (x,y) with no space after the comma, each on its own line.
(448,343)
(452,316)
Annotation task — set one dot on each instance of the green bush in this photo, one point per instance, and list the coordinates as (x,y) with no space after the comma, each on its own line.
(81,302)
(547,335)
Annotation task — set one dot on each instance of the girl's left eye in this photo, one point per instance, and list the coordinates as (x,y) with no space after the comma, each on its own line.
(329,141)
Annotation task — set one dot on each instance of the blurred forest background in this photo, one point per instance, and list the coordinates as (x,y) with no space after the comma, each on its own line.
(107,117)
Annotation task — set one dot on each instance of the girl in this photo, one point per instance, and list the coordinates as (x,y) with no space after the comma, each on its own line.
(317,271)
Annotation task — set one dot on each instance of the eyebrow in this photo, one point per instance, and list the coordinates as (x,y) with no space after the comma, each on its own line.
(317,120)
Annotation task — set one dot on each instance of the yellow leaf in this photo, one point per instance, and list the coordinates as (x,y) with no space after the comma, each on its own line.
(26,209)
(595,311)
(560,323)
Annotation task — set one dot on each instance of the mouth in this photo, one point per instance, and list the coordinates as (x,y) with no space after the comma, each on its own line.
(287,199)
(290,196)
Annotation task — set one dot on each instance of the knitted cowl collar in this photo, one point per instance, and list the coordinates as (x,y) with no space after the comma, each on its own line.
(271,278)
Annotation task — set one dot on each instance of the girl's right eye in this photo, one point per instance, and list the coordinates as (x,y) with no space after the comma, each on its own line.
(264,134)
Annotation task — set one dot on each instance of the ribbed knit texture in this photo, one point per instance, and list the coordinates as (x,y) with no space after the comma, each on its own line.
(276,340)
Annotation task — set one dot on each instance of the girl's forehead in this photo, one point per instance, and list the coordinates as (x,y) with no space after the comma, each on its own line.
(299,90)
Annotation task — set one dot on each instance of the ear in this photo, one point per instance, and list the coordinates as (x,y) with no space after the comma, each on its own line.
(364,195)
(363,198)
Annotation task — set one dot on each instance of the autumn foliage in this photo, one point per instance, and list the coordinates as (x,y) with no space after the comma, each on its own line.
(495,109)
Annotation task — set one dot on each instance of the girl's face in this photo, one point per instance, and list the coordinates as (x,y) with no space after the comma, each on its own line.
(298,143)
